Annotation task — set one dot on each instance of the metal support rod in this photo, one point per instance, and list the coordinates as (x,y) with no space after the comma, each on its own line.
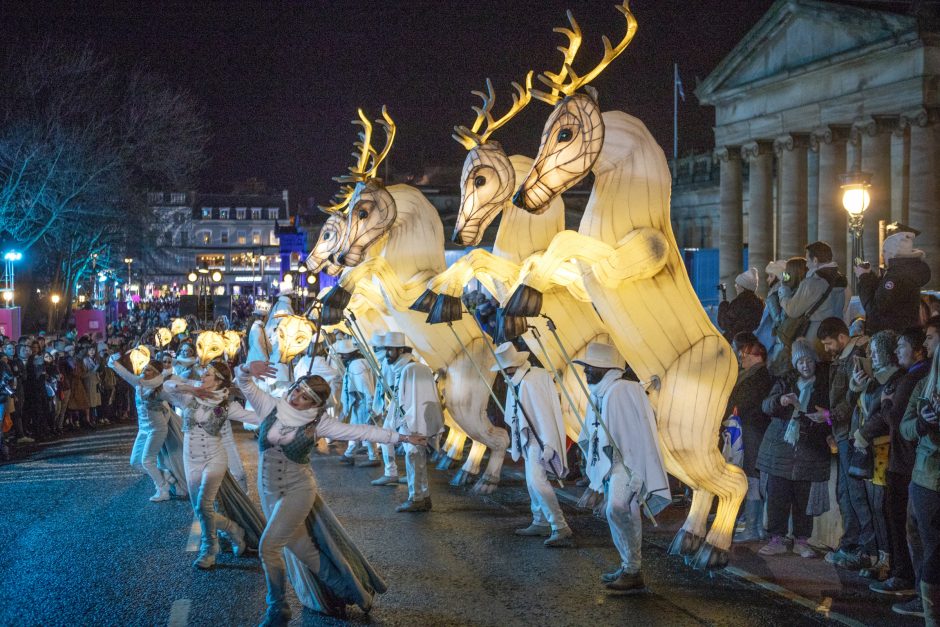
(368,356)
(558,378)
(476,366)
(614,448)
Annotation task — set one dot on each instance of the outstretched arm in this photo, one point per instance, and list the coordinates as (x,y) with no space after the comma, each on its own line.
(129,377)
(261,402)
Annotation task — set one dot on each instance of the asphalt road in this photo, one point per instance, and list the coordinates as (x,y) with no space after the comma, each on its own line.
(82,545)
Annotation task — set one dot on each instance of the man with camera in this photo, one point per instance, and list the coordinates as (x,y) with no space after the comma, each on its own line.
(892,298)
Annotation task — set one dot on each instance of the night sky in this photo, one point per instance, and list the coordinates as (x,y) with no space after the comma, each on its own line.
(279,82)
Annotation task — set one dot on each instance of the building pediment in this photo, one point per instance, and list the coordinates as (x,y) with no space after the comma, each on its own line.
(796,36)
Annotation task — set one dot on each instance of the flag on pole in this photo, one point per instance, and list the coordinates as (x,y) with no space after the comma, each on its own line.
(679,85)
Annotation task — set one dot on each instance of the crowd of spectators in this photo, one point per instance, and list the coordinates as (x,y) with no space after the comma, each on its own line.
(843,389)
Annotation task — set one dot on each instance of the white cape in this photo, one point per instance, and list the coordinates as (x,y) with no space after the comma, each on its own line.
(417,407)
(538,396)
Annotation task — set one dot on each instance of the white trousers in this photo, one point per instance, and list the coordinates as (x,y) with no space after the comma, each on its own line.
(234,459)
(370,447)
(151,434)
(388,458)
(544,502)
(623,516)
(416,466)
(205,462)
(287,492)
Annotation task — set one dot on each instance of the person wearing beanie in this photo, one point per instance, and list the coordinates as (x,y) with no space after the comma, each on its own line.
(794,452)
(891,298)
(744,312)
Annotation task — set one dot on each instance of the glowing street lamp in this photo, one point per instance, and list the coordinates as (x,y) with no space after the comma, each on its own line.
(855,200)
(128,261)
(9,258)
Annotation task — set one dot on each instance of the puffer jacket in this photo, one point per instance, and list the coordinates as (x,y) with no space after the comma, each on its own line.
(810,459)
(927,439)
(892,300)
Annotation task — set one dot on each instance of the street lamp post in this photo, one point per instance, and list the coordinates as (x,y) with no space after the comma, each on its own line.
(128,261)
(855,200)
(55,309)
(9,258)
(204,278)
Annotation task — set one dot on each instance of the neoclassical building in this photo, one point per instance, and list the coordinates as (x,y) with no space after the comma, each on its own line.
(814,88)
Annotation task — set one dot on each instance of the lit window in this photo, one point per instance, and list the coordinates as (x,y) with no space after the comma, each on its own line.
(256,213)
(242,237)
(272,213)
(256,238)
(223,213)
(240,213)
(206,213)
(204,237)
(272,238)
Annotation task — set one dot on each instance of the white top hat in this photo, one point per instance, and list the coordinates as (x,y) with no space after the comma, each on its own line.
(262,307)
(395,339)
(344,347)
(378,339)
(508,357)
(601,356)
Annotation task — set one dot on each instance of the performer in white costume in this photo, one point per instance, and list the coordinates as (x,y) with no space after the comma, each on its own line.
(624,460)
(185,362)
(415,410)
(153,415)
(206,409)
(358,391)
(383,388)
(298,519)
(537,434)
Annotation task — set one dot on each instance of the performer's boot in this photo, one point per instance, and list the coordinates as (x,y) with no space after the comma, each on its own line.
(560,538)
(236,535)
(162,493)
(276,617)
(627,583)
(535,530)
(612,576)
(386,480)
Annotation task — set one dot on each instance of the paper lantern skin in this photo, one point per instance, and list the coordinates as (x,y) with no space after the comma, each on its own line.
(294,334)
(178,326)
(635,276)
(163,336)
(233,343)
(209,345)
(328,242)
(139,357)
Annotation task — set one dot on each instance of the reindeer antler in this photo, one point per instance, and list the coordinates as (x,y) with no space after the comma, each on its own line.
(367,160)
(339,202)
(470,137)
(557,82)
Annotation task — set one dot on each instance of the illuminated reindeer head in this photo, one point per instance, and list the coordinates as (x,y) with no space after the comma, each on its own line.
(574,133)
(488,177)
(371,209)
(329,240)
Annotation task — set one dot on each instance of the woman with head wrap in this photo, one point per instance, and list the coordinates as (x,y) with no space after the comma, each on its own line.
(331,573)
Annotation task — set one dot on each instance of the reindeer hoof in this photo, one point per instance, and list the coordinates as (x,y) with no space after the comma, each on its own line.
(462,478)
(445,462)
(685,543)
(525,302)
(436,456)
(424,302)
(509,327)
(484,486)
(710,557)
(446,308)
(330,315)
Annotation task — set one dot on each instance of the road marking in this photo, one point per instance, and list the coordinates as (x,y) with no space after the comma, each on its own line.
(179,613)
(195,536)
(819,608)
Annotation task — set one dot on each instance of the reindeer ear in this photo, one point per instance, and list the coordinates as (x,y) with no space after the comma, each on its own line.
(592,93)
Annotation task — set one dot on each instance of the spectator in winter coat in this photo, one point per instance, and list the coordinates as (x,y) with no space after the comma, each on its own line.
(857,548)
(745,311)
(892,299)
(753,385)
(896,398)
(823,274)
(794,453)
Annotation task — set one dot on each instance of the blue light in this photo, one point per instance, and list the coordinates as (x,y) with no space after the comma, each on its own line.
(13,255)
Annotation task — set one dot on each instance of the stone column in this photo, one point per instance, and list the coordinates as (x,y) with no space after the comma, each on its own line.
(832,224)
(760,227)
(791,186)
(812,194)
(924,190)
(731,208)
(875,135)
(900,172)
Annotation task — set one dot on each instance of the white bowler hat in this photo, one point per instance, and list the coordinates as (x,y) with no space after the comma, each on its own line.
(378,339)
(601,356)
(344,347)
(395,339)
(508,357)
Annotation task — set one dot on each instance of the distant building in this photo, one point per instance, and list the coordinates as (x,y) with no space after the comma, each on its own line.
(226,232)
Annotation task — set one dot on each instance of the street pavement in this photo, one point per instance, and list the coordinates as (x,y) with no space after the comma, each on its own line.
(82,545)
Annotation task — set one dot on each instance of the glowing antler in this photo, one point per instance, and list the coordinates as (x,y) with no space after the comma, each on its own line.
(339,202)
(367,160)
(557,82)
(570,52)
(470,137)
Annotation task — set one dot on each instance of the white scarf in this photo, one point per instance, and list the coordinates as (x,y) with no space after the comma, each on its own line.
(291,417)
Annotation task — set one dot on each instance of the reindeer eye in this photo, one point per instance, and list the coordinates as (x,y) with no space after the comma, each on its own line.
(326,236)
(363,214)
(564,135)
(479,181)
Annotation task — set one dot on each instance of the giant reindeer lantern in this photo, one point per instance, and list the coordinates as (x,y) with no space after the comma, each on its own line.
(394,239)
(487,183)
(633,271)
